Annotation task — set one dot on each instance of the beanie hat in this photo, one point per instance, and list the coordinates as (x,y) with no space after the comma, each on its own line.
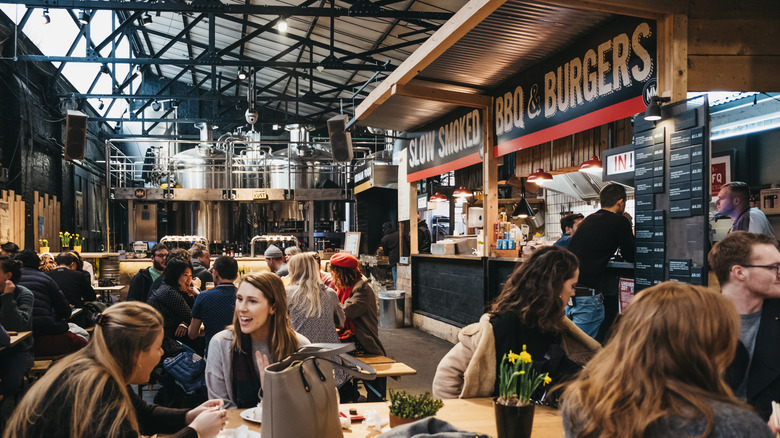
(344,260)
(272,252)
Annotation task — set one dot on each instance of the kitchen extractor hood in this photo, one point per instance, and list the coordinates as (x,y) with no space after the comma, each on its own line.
(580,185)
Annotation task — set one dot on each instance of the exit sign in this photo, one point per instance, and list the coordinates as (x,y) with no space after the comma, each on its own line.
(620,163)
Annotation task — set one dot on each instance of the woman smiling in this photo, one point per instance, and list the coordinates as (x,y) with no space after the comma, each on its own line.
(261,334)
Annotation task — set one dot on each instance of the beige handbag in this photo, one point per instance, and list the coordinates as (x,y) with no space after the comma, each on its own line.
(299,395)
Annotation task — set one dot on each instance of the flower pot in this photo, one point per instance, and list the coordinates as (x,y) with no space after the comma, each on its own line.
(514,421)
(398,421)
(77,248)
(44,249)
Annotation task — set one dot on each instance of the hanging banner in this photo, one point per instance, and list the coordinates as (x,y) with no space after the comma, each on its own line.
(606,76)
(453,143)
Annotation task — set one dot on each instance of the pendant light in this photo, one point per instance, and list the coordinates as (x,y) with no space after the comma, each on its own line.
(438,197)
(462,193)
(522,209)
(540,175)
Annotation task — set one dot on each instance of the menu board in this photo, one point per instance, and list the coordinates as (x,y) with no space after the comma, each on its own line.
(670,197)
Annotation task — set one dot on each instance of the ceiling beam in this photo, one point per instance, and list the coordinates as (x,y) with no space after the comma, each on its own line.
(437,95)
(222,8)
(468,17)
(653,9)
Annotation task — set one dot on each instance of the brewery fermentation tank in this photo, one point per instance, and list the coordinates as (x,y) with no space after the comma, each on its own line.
(200,168)
(202,218)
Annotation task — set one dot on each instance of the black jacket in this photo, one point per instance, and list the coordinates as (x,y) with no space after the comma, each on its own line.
(74,285)
(139,286)
(201,271)
(764,375)
(51,308)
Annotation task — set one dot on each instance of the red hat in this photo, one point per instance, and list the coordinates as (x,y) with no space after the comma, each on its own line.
(344,260)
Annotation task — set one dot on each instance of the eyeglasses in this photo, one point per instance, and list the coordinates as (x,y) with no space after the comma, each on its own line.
(161,255)
(775,268)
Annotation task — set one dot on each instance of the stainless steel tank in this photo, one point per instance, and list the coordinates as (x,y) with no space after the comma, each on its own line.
(200,168)
(248,168)
(282,172)
(201,218)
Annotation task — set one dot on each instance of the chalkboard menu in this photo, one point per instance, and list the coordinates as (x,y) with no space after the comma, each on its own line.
(672,167)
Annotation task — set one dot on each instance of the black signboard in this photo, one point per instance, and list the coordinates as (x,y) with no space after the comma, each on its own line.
(604,77)
(453,143)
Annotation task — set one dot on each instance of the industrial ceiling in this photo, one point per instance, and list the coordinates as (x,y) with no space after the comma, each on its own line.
(332,54)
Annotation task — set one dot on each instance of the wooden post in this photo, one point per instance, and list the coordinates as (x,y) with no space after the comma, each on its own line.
(489,180)
(673,57)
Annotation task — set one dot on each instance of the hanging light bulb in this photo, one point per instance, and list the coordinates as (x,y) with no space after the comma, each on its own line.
(46,18)
(242,74)
(522,210)
(281,25)
(146,19)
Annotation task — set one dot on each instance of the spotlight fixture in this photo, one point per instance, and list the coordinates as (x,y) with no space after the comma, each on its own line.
(84,16)
(462,193)
(242,74)
(118,126)
(320,68)
(175,103)
(146,19)
(438,197)
(156,106)
(593,166)
(100,107)
(46,18)
(104,69)
(281,25)
(653,111)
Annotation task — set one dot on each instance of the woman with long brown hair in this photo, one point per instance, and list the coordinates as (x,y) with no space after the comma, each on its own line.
(661,374)
(87,395)
(528,312)
(261,334)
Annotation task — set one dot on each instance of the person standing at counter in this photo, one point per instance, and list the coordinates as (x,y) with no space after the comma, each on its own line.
(389,247)
(142,281)
(214,308)
(734,202)
(747,265)
(594,243)
(274,258)
(569,224)
(201,263)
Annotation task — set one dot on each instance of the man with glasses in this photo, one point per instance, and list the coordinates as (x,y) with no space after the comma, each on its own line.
(142,281)
(747,266)
(734,201)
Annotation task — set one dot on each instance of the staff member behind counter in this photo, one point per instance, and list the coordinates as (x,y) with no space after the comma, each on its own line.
(594,243)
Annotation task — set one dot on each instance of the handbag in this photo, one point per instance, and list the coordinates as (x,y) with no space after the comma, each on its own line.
(299,392)
(188,370)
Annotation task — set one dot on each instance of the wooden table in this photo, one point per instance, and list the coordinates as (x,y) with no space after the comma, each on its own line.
(474,415)
(105,291)
(18,337)
(373,359)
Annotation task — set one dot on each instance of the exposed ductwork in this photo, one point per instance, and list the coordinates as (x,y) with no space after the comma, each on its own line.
(580,185)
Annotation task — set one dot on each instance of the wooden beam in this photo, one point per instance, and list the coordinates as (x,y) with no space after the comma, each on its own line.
(489,180)
(673,57)
(635,8)
(435,94)
(736,73)
(468,17)
(733,37)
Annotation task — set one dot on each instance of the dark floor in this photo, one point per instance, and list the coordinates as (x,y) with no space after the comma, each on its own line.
(413,347)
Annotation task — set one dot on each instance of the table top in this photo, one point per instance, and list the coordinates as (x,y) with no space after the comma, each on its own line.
(373,359)
(475,415)
(75,312)
(394,369)
(114,288)
(18,337)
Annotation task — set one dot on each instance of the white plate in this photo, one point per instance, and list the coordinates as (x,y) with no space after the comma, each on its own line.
(249,415)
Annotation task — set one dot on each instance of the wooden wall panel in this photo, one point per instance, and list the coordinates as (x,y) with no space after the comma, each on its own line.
(48,208)
(11,218)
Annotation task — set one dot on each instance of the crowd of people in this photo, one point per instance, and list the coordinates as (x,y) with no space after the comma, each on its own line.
(681,359)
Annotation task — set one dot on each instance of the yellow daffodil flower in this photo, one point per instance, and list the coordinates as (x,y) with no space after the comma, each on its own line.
(525,356)
(512,357)
(547,379)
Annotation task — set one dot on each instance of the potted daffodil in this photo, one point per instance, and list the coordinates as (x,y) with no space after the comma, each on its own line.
(517,381)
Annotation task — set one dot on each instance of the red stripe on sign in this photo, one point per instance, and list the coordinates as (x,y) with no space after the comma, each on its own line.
(596,118)
(460,163)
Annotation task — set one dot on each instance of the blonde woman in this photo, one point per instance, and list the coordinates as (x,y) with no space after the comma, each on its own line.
(261,334)
(315,311)
(87,395)
(661,374)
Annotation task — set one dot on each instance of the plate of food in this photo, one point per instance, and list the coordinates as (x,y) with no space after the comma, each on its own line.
(253,415)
